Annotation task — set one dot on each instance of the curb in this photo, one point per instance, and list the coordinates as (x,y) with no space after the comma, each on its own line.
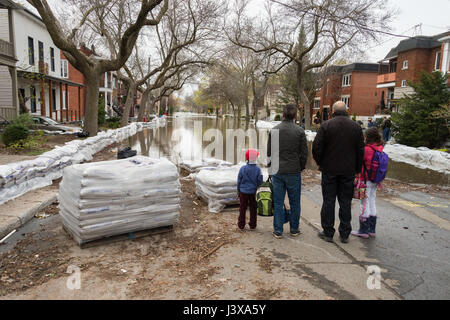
(24,217)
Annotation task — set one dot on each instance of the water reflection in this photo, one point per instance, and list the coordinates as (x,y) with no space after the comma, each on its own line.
(182,138)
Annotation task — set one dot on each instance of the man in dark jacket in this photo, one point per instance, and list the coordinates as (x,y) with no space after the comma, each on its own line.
(338,150)
(287,150)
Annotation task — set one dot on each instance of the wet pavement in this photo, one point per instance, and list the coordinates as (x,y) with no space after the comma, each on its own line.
(414,252)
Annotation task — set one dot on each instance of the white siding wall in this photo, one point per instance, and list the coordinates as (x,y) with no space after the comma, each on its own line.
(4,25)
(26,26)
(6,100)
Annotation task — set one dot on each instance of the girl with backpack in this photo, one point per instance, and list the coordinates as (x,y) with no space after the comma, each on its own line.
(370,175)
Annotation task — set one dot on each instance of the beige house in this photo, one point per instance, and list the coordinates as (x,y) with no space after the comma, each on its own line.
(9,104)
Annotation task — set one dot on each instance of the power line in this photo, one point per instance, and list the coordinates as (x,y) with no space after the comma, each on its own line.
(344,23)
(390,39)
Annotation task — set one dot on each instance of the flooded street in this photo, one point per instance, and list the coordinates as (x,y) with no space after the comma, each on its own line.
(183,137)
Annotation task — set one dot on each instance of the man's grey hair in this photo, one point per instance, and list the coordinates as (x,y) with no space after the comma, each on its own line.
(339,106)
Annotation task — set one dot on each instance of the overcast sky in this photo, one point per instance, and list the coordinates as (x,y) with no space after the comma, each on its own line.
(434,15)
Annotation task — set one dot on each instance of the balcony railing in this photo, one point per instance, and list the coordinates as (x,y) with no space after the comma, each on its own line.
(385,78)
(6,48)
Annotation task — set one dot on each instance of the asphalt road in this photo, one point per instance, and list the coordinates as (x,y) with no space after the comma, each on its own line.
(412,244)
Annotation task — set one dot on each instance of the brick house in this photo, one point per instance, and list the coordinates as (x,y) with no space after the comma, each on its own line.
(354,84)
(75,96)
(406,61)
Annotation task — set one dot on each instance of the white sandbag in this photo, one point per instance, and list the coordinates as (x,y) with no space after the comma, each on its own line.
(113,197)
(422,158)
(218,186)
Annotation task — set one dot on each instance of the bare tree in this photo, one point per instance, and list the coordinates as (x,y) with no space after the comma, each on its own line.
(102,11)
(330,25)
(177,47)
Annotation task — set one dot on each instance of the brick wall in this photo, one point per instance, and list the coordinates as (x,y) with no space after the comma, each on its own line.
(363,93)
(73,102)
(364,99)
(418,60)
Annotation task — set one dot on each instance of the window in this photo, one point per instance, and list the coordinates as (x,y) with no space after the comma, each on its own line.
(346,99)
(52,59)
(437,63)
(53,99)
(346,80)
(33,99)
(328,82)
(317,104)
(404,83)
(393,67)
(31,51)
(64,69)
(405,65)
(41,51)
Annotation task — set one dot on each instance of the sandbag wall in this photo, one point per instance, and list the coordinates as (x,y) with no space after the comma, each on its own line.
(109,198)
(193,166)
(19,178)
(218,186)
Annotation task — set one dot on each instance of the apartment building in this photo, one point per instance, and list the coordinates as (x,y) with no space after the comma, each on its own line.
(354,83)
(406,61)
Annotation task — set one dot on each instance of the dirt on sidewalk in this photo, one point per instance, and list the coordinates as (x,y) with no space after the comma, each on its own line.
(204,257)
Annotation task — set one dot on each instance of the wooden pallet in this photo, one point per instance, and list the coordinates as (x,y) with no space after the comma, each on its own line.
(120,237)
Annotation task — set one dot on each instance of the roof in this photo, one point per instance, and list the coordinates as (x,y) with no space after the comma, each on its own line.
(8,4)
(352,67)
(419,42)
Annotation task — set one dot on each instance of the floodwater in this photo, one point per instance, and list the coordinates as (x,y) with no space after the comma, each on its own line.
(193,138)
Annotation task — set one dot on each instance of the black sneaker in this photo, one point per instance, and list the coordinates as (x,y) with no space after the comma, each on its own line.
(277,235)
(324,237)
(296,233)
(344,240)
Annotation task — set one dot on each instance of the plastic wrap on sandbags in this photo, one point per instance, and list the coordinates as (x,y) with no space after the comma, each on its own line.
(113,197)
(193,166)
(218,186)
(423,158)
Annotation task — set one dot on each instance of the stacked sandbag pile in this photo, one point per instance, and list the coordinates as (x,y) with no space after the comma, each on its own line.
(109,198)
(19,178)
(218,186)
(193,166)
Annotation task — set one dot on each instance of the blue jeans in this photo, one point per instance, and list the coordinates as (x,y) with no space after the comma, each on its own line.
(387,134)
(292,183)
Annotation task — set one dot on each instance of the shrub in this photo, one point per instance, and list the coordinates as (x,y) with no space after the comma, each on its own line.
(15,133)
(421,121)
(113,123)
(25,120)
(278,117)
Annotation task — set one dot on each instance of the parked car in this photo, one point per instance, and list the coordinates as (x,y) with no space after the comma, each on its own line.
(47,124)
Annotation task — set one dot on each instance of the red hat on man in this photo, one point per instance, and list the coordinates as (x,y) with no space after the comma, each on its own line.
(251,155)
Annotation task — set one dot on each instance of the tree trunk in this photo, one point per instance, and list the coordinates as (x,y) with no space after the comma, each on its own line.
(144,104)
(128,104)
(91,105)
(247,109)
(303,98)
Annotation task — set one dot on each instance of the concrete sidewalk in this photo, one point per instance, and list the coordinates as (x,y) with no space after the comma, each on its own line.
(16,213)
